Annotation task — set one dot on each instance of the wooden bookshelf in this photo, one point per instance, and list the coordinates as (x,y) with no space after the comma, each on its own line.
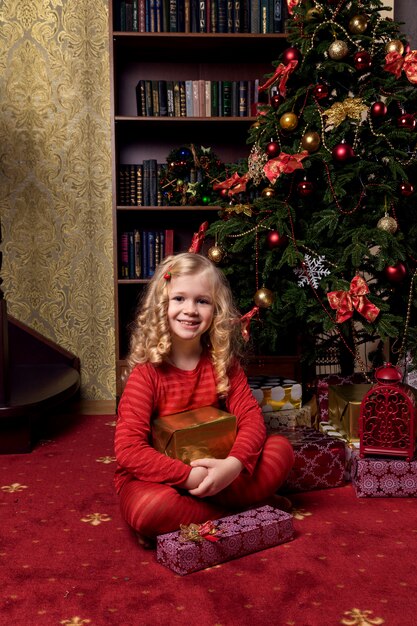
(173,56)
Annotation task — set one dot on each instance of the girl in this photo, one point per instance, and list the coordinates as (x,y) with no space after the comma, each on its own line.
(183,355)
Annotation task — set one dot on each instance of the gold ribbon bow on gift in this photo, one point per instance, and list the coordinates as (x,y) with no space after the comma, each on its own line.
(199,532)
(347,301)
(339,111)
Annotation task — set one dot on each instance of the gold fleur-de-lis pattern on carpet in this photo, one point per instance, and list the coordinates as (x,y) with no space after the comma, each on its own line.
(55,178)
(70,559)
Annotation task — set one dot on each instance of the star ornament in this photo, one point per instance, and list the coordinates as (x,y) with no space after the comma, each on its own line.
(284,164)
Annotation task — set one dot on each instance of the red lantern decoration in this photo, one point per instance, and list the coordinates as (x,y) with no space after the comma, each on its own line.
(342,152)
(395,273)
(406,189)
(378,109)
(387,422)
(290,54)
(406,121)
(362,60)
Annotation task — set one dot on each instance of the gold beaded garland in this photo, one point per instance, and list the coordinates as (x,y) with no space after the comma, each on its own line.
(264,298)
(338,50)
(288,121)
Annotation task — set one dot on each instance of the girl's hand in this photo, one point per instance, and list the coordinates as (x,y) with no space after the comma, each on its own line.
(195,477)
(220,473)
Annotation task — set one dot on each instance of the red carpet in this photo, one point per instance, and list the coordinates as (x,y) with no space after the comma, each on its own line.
(66,557)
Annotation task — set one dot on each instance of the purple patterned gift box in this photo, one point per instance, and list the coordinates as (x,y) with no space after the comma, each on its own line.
(319,462)
(384,477)
(239,534)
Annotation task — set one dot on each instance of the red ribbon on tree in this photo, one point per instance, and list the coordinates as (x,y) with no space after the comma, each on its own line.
(245,322)
(235,184)
(284,164)
(395,62)
(198,238)
(345,302)
(281,74)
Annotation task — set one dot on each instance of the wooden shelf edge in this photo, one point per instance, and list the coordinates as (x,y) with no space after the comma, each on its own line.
(175,208)
(167,119)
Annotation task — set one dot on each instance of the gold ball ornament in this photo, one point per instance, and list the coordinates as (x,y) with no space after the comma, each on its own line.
(268,192)
(314,14)
(338,50)
(264,298)
(311,141)
(395,45)
(388,224)
(288,121)
(358,24)
(215,253)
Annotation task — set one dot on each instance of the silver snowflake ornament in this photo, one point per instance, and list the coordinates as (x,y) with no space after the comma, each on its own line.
(313,271)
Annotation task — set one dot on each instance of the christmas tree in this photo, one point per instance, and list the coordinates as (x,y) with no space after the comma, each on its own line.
(325,256)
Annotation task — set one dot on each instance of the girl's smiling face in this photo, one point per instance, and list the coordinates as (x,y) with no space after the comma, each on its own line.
(191,307)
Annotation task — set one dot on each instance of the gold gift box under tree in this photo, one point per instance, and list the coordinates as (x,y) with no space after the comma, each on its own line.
(344,407)
(196,434)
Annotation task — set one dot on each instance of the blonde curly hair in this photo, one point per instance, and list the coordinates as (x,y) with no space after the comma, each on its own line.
(150,340)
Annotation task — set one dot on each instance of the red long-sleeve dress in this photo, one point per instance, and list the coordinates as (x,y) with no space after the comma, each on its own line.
(162,390)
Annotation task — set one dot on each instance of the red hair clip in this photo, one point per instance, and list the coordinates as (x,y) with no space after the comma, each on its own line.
(167,275)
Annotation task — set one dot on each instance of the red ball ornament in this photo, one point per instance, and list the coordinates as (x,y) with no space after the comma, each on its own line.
(342,152)
(272,148)
(224,193)
(290,54)
(406,121)
(321,92)
(276,100)
(406,188)
(362,61)
(395,273)
(305,188)
(275,240)
(378,109)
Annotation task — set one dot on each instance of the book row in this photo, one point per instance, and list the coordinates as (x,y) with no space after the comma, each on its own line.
(200,16)
(138,184)
(197,98)
(140,251)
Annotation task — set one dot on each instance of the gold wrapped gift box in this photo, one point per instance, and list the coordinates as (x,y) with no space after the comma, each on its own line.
(190,435)
(344,408)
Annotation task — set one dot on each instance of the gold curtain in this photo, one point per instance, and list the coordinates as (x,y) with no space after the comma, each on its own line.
(55,178)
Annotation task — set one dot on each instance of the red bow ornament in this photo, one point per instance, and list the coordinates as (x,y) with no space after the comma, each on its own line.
(235,184)
(394,63)
(281,74)
(245,321)
(345,302)
(283,164)
(291,5)
(198,238)
(199,532)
